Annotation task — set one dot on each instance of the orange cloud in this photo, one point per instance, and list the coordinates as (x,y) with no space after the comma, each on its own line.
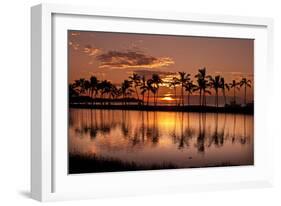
(74,45)
(91,51)
(75,33)
(132,60)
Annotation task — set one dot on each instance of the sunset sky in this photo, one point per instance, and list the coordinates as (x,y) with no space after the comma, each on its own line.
(115,56)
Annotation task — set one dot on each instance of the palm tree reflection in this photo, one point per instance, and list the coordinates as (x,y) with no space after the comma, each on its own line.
(222,133)
(201,133)
(155,129)
(218,136)
(243,139)
(234,128)
(125,124)
(185,132)
(143,129)
(215,135)
(94,127)
(181,143)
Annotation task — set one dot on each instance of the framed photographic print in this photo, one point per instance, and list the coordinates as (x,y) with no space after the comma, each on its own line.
(138,102)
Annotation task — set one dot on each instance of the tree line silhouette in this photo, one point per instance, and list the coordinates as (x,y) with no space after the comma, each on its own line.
(104,91)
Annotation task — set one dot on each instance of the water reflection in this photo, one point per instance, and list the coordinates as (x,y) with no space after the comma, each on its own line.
(182,138)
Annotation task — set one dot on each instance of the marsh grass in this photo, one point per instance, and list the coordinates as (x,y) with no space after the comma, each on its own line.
(93,164)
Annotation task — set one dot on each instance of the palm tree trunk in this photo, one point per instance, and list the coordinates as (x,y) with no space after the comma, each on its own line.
(245,95)
(182,100)
(92,101)
(156,98)
(224,97)
(109,98)
(204,100)
(200,97)
(203,92)
(245,132)
(175,91)
(137,93)
(147,101)
(94,96)
(217,98)
(234,96)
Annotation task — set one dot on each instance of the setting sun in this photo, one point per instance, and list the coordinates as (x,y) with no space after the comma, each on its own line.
(167,99)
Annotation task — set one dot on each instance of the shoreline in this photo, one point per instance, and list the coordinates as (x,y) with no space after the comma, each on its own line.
(79,164)
(191,108)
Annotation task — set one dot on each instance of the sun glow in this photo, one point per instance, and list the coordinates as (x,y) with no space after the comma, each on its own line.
(167,99)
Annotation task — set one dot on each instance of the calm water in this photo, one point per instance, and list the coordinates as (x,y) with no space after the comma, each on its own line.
(183,139)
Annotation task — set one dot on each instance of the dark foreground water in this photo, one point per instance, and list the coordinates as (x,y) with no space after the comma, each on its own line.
(113,140)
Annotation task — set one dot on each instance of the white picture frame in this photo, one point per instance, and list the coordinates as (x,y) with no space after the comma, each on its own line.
(49,179)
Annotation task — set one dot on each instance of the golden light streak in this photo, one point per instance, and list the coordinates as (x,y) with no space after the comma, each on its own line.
(168,99)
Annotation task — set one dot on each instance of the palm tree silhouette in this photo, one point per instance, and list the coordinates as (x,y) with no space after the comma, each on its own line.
(87,87)
(143,88)
(105,88)
(234,85)
(72,90)
(156,81)
(119,92)
(80,84)
(174,84)
(202,85)
(190,88)
(154,92)
(205,92)
(135,78)
(113,91)
(215,83)
(223,87)
(246,83)
(149,88)
(83,87)
(126,89)
(183,79)
(94,87)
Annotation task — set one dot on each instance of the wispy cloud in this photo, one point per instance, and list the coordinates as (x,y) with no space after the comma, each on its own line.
(74,45)
(75,33)
(240,75)
(91,51)
(235,75)
(132,60)
(148,73)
